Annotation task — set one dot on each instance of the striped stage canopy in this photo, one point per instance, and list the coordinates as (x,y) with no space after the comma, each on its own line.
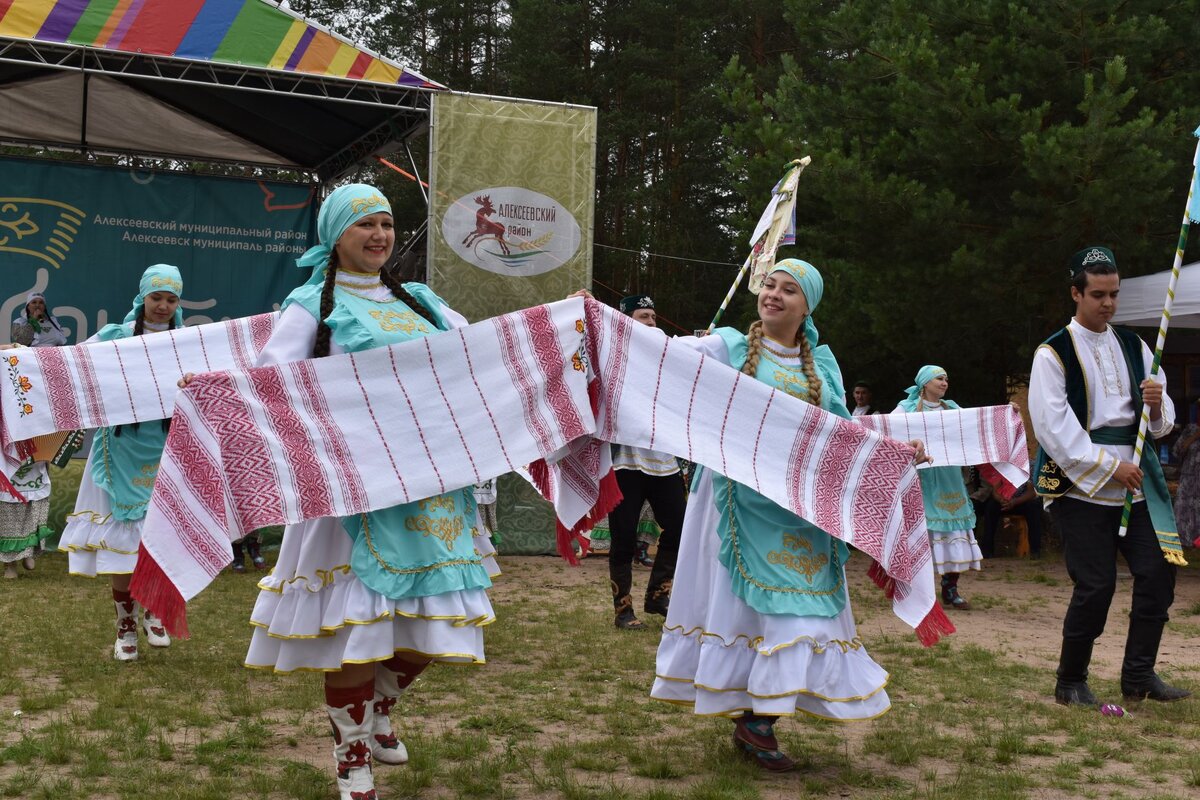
(219,80)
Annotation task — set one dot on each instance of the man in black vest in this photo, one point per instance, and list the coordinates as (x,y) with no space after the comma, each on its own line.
(1087,390)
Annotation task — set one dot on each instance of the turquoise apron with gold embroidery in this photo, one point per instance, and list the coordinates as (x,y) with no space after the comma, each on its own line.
(778,562)
(125,466)
(416,549)
(947,506)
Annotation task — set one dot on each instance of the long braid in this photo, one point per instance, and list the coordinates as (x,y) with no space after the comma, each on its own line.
(324,332)
(754,353)
(753,349)
(396,287)
(810,371)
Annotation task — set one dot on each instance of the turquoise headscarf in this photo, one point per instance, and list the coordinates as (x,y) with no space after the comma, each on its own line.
(158,278)
(924,376)
(813,286)
(344,206)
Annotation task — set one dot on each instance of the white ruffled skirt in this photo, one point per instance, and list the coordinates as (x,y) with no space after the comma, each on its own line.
(955,551)
(724,658)
(314,614)
(95,542)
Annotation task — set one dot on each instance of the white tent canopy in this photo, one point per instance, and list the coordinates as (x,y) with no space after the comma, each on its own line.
(1141,299)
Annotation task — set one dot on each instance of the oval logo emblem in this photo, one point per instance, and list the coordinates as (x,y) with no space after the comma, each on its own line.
(511,231)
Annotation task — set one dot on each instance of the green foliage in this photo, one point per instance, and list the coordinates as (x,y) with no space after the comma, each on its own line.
(962,152)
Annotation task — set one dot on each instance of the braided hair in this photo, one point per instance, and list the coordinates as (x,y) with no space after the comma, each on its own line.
(396,287)
(321,346)
(393,284)
(754,354)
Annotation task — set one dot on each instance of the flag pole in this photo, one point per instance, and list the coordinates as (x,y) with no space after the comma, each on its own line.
(779,212)
(1144,424)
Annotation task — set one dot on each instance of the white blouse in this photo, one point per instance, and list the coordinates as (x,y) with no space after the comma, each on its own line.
(1091,466)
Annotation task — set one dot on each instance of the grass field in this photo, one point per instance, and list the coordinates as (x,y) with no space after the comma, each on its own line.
(561,709)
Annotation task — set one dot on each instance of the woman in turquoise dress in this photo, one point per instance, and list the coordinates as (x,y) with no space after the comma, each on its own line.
(369,600)
(760,624)
(103,533)
(948,508)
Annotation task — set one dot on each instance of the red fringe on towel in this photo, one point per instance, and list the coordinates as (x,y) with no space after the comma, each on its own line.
(153,589)
(935,625)
(610,496)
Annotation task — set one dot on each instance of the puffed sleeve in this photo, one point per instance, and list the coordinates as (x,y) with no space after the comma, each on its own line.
(1058,431)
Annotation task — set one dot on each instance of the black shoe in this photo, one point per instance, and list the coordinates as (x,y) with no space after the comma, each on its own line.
(1074,694)
(656,606)
(1152,689)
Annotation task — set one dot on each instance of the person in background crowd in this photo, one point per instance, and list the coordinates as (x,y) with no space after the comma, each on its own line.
(644,476)
(37,327)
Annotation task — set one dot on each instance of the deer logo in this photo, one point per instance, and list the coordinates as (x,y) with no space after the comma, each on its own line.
(484,227)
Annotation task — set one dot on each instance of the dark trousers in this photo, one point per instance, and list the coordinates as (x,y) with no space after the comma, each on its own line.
(667,499)
(1090,546)
(992,515)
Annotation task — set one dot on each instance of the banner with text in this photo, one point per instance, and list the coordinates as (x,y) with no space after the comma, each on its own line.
(82,235)
(512,191)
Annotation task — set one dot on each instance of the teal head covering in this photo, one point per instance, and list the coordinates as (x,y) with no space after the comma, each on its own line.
(813,286)
(344,206)
(924,376)
(158,278)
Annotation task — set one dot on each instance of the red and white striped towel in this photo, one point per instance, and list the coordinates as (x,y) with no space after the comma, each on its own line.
(991,438)
(547,385)
(48,389)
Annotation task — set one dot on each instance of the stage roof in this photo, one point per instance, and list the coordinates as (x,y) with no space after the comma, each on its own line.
(239,81)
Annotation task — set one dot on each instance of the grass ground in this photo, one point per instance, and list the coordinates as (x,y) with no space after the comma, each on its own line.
(561,709)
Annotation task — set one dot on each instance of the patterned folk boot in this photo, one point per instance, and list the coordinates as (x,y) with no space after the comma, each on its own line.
(351,716)
(621,581)
(156,632)
(125,648)
(392,679)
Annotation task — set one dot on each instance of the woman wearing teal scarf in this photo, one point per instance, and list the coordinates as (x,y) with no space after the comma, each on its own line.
(760,624)
(103,534)
(948,509)
(369,600)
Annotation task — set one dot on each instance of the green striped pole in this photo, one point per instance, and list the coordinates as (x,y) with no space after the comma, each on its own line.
(1144,423)
(786,186)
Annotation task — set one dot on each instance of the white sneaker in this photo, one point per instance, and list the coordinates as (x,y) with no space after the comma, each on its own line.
(156,632)
(125,648)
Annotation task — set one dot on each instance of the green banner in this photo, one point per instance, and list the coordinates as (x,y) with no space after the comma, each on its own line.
(83,234)
(512,198)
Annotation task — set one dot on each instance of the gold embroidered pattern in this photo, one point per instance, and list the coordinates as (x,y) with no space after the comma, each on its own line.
(433,503)
(951,502)
(791,384)
(737,552)
(170,283)
(360,204)
(396,571)
(446,530)
(405,321)
(149,472)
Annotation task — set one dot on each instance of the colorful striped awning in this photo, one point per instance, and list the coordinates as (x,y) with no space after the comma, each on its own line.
(252,33)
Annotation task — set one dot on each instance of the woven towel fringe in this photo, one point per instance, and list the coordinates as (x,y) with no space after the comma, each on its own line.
(6,486)
(992,476)
(541,478)
(25,448)
(608,499)
(153,589)
(935,625)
